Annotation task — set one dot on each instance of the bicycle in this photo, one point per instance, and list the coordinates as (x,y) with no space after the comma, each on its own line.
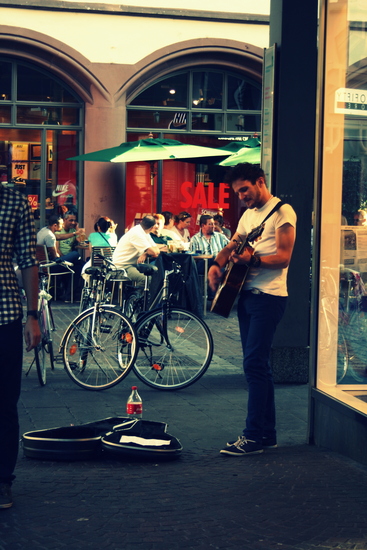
(100,345)
(46,323)
(175,346)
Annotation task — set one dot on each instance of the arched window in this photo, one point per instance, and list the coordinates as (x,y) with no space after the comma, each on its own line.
(41,120)
(201,106)
(199,100)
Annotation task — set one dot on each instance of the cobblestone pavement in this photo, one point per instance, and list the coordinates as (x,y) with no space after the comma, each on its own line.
(296,497)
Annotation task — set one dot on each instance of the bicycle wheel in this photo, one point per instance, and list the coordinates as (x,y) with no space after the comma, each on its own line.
(47,337)
(99,348)
(133,306)
(355,332)
(342,356)
(175,350)
(40,352)
(86,300)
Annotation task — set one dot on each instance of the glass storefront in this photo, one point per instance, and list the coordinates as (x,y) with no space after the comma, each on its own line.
(203,107)
(40,126)
(342,333)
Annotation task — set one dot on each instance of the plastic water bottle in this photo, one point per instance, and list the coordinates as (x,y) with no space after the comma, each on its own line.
(134,405)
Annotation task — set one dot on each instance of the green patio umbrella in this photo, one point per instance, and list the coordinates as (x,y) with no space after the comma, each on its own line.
(244,151)
(154,149)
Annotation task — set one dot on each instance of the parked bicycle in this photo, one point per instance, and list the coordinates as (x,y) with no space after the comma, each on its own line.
(175,346)
(100,345)
(167,347)
(46,322)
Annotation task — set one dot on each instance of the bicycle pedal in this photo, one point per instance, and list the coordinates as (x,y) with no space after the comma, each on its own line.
(58,359)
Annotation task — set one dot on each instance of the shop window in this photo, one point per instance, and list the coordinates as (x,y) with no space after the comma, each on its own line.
(242,94)
(204,107)
(342,335)
(199,101)
(34,85)
(207,90)
(168,92)
(5,81)
(40,125)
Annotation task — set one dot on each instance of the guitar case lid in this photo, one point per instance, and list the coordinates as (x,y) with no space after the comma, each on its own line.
(84,441)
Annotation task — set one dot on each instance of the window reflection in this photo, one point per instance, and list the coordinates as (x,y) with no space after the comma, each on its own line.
(169,92)
(5,81)
(33,85)
(207,90)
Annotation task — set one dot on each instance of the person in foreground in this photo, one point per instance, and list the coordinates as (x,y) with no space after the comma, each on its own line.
(18,239)
(262,300)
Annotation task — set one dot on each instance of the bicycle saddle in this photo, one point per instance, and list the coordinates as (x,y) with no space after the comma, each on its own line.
(147,269)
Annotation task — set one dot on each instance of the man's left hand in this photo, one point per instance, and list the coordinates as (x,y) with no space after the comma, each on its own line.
(32,333)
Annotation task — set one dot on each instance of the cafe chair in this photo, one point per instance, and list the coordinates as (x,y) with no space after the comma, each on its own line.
(43,258)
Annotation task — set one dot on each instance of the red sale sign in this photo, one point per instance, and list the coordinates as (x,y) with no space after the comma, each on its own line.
(33,201)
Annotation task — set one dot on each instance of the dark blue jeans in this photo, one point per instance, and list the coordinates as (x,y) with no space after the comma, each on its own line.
(11,349)
(258,316)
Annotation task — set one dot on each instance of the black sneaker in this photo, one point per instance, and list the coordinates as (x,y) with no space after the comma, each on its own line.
(242,447)
(6,500)
(268,443)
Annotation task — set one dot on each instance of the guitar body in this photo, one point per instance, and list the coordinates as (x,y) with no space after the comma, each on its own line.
(235,275)
(225,297)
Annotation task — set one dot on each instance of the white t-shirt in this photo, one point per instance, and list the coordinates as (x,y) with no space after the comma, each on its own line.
(270,281)
(132,245)
(186,236)
(171,234)
(46,237)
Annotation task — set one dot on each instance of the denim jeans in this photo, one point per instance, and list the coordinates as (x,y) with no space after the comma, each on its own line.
(258,316)
(11,347)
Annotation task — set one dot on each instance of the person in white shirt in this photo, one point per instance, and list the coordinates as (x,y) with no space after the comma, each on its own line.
(262,300)
(135,247)
(169,222)
(183,221)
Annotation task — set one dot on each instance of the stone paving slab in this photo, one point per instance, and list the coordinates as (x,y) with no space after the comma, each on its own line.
(296,497)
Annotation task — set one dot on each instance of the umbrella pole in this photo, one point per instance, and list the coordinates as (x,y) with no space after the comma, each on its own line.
(153,174)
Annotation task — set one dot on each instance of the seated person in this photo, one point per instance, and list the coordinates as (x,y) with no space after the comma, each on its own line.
(183,221)
(219,226)
(66,244)
(67,236)
(207,241)
(160,240)
(102,235)
(47,237)
(135,247)
(169,222)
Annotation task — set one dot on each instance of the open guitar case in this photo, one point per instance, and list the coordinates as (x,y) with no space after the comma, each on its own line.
(111,437)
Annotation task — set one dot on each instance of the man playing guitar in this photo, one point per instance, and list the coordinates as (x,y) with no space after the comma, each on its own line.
(262,300)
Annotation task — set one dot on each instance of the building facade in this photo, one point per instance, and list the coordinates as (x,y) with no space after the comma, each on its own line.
(80,77)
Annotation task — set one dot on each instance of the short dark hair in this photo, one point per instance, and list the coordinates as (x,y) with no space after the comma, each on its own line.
(244,171)
(69,213)
(218,218)
(168,216)
(204,219)
(148,221)
(103,224)
(54,218)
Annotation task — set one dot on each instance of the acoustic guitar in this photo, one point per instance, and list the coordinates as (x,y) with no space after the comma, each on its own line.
(234,276)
